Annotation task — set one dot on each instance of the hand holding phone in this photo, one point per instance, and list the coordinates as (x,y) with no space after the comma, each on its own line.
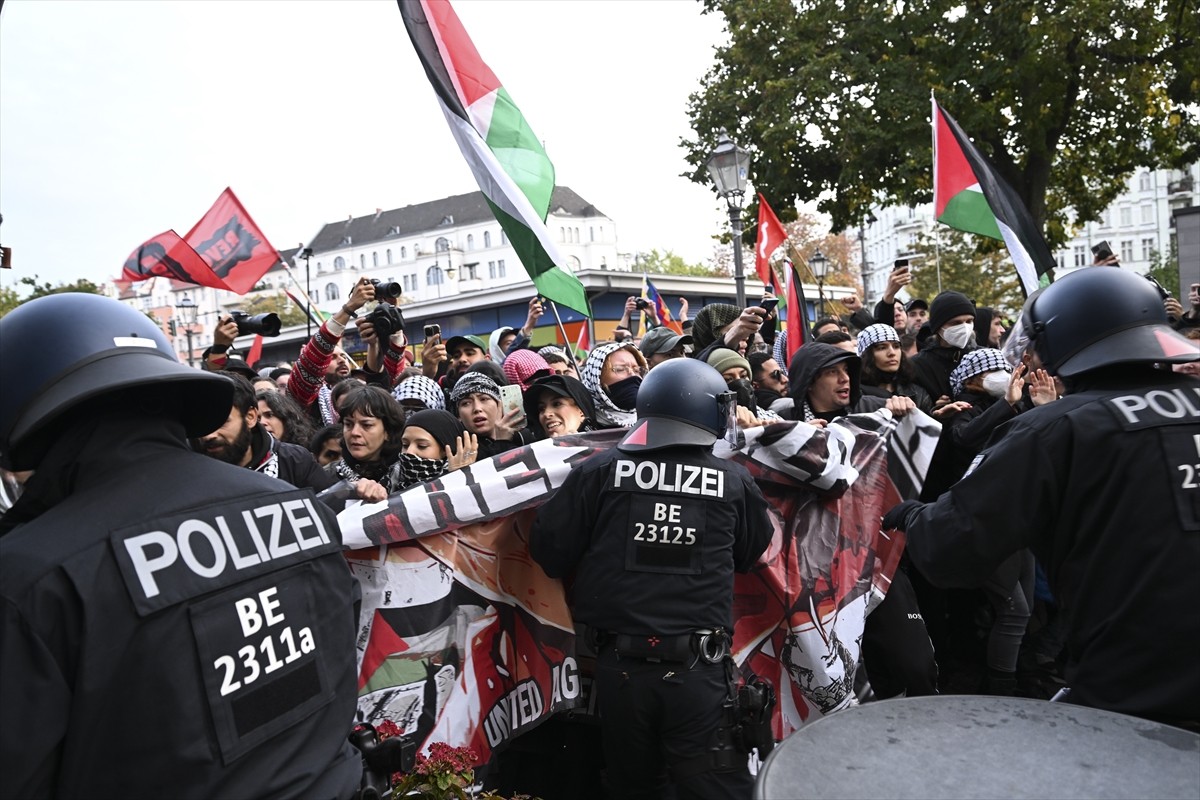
(433,331)
(769,304)
(512,400)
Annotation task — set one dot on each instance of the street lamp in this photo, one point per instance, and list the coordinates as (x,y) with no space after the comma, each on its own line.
(188,309)
(728,166)
(820,268)
(448,271)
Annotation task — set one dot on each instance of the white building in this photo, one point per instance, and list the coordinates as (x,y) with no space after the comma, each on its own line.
(1137,225)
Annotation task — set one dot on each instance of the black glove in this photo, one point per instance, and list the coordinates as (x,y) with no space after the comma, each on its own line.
(899,517)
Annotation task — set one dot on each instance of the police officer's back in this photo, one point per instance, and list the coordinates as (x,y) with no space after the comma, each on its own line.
(1104,486)
(173,626)
(649,536)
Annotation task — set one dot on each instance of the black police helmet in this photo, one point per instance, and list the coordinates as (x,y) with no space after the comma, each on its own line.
(1099,316)
(681,402)
(64,349)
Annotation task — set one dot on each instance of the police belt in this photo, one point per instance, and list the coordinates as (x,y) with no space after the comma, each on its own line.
(708,645)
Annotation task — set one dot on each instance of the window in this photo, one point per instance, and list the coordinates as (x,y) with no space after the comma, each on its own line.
(1080,257)
(1147,213)
(375,259)
(591,234)
(492,270)
(362,260)
(1144,182)
(318,266)
(500,268)
(487,238)
(503,237)
(1102,222)
(577,239)
(1147,249)
(1061,258)
(332,292)
(1127,249)
(573,263)
(315,296)
(442,244)
(410,283)
(468,272)
(470,241)
(1126,215)
(433,276)
(403,253)
(388,255)
(562,234)
(339,263)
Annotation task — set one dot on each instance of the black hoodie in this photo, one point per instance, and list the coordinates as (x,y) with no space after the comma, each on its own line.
(563,386)
(810,360)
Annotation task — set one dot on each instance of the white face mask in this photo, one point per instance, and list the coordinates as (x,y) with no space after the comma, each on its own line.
(996,383)
(957,336)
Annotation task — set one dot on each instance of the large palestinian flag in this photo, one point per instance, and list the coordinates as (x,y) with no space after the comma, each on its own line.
(970,195)
(508,160)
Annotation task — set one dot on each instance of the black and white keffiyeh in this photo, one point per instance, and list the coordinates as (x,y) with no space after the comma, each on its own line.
(422,389)
(873,335)
(977,362)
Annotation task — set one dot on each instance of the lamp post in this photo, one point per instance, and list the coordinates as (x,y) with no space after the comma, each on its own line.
(188,309)
(820,268)
(447,271)
(728,166)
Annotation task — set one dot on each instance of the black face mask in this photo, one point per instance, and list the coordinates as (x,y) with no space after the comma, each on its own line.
(745,394)
(624,393)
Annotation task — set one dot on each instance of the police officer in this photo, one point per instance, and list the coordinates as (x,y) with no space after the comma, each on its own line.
(652,533)
(1104,486)
(173,626)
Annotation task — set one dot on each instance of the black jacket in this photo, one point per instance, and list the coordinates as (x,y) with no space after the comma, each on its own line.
(811,359)
(173,626)
(1103,485)
(288,462)
(964,435)
(932,367)
(652,556)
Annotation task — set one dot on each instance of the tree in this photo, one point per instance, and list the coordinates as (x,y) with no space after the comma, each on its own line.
(669,264)
(278,303)
(1066,97)
(10,298)
(1165,270)
(987,277)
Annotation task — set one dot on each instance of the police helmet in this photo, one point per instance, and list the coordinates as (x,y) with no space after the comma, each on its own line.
(63,349)
(1099,316)
(682,402)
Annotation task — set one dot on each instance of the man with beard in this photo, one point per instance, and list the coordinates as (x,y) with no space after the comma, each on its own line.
(241,441)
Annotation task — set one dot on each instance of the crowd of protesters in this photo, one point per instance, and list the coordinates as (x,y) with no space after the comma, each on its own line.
(415,410)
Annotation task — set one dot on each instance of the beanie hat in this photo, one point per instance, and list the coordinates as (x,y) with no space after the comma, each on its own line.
(443,426)
(711,319)
(474,383)
(977,362)
(874,334)
(522,366)
(420,388)
(946,306)
(722,358)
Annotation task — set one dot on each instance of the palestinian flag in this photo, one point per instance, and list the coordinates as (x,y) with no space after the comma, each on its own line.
(510,165)
(969,195)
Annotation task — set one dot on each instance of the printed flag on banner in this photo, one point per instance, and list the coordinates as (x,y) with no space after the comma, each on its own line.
(662,314)
(969,195)
(770,235)
(511,167)
(224,250)
(463,639)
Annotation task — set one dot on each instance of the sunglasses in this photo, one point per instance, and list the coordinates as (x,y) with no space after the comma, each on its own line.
(777,374)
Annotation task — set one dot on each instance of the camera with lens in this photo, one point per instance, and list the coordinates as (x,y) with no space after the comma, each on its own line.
(643,304)
(752,718)
(386,319)
(386,289)
(260,324)
(381,758)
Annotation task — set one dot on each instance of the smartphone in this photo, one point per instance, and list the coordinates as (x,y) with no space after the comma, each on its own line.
(510,398)
(901,263)
(432,331)
(769,305)
(1102,250)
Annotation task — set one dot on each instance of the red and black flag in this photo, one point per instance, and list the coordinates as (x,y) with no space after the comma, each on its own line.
(224,250)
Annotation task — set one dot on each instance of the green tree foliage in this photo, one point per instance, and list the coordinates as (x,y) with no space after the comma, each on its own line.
(1165,270)
(989,278)
(277,303)
(668,263)
(1066,97)
(11,298)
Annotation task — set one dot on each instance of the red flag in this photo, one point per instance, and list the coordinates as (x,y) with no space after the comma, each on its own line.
(255,354)
(224,250)
(770,236)
(799,332)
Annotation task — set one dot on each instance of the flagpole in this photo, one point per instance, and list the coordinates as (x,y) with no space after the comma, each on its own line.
(937,255)
(558,319)
(307,307)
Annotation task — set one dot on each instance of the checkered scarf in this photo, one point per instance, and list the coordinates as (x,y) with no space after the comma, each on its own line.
(873,335)
(976,362)
(420,388)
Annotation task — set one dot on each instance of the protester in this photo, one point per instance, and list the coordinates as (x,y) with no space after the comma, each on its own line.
(326,444)
(280,415)
(856,317)
(1190,318)
(724,325)
(917,311)
(660,611)
(476,398)
(434,442)
(887,372)
(735,371)
(989,327)
(372,428)
(662,344)
(839,339)
(417,393)
(140,597)
(828,325)
(952,333)
(559,362)
(612,374)
(506,341)
(769,380)
(1122,562)
(557,405)
(522,367)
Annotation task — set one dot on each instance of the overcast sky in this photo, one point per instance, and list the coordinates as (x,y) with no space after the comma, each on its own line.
(119,120)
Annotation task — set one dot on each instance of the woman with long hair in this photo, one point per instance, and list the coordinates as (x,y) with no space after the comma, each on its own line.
(887,371)
(283,417)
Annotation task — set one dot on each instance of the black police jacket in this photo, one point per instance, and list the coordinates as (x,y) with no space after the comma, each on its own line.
(173,626)
(1104,486)
(652,539)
